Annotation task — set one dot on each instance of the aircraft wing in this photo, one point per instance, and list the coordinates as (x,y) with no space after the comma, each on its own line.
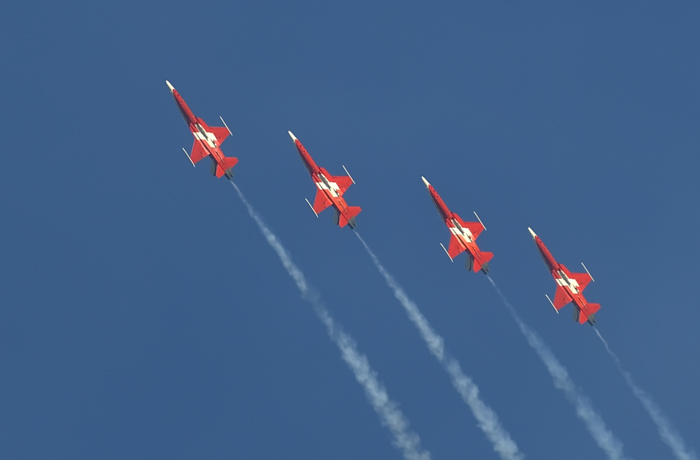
(455,247)
(344,183)
(561,298)
(583,279)
(321,202)
(474,227)
(220,132)
(198,151)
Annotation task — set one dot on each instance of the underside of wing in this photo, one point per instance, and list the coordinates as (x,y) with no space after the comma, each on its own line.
(344,183)
(455,247)
(561,298)
(474,227)
(583,279)
(198,152)
(321,202)
(220,133)
(588,314)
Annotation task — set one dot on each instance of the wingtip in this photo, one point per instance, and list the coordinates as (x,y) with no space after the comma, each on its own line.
(169,85)
(427,184)
(294,138)
(532,233)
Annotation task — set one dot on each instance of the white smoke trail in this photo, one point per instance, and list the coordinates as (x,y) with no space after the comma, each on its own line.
(605,439)
(668,434)
(485,416)
(391,416)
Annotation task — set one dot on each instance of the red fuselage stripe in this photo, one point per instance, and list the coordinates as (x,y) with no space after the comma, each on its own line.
(440,205)
(306,159)
(184,109)
(546,255)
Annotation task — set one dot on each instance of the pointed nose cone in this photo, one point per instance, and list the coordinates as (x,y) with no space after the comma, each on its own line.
(294,138)
(532,233)
(427,184)
(169,85)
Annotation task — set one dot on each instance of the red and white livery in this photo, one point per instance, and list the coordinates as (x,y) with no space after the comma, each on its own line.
(464,235)
(207,140)
(570,286)
(330,189)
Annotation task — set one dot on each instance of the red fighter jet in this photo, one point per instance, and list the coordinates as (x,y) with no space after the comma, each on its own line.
(330,189)
(207,140)
(464,235)
(569,286)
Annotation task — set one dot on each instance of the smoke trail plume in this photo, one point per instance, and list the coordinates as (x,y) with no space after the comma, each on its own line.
(668,434)
(404,439)
(605,439)
(485,416)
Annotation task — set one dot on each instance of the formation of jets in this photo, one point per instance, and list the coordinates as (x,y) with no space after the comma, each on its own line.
(330,191)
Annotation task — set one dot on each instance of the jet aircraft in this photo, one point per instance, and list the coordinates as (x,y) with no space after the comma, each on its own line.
(207,140)
(570,286)
(464,234)
(330,189)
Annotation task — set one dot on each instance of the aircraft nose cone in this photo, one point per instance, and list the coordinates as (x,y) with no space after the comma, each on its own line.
(427,184)
(532,233)
(294,138)
(169,85)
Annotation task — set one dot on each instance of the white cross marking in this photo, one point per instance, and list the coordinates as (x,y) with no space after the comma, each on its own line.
(467,233)
(210,139)
(334,188)
(572,284)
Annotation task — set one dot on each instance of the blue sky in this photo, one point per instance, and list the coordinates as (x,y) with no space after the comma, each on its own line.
(143,314)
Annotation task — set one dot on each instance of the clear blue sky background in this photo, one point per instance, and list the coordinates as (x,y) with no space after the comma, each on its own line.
(144,316)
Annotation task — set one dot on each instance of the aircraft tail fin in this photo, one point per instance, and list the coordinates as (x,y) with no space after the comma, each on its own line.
(228,164)
(349,217)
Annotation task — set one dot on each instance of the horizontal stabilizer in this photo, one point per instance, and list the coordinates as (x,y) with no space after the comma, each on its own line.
(486,257)
(480,263)
(228,164)
(588,313)
(349,217)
